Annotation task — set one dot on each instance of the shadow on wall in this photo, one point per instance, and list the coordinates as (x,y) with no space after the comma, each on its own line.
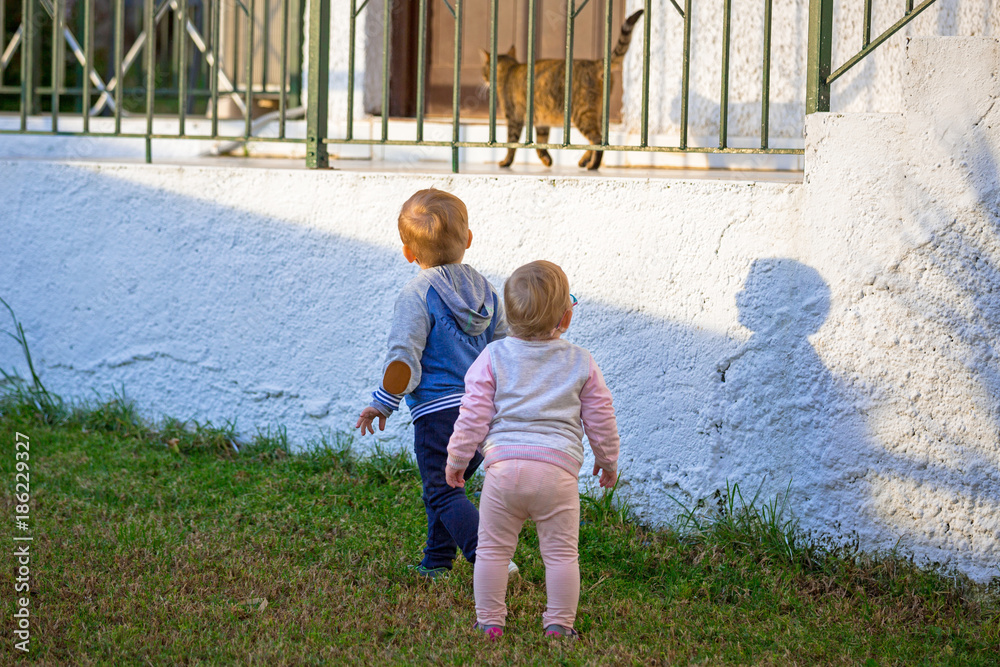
(782,415)
(202,310)
(943,475)
(784,118)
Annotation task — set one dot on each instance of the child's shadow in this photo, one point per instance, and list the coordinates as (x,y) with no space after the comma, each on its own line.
(783,422)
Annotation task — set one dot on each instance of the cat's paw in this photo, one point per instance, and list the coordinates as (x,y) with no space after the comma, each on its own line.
(505,163)
(595,160)
(585,160)
(546,159)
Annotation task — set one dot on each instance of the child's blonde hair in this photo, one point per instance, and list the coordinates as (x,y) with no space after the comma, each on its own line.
(536,296)
(434,224)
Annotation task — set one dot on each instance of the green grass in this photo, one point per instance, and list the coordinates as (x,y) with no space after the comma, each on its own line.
(164,545)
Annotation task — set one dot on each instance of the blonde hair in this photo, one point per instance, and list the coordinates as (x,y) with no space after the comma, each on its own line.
(434,224)
(536,296)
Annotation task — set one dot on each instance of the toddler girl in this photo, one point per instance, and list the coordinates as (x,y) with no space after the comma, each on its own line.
(529,399)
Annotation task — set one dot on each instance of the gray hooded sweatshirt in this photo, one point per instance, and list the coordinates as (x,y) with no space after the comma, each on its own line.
(442,320)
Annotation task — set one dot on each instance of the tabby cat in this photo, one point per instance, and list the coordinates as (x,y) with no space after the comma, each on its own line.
(550,78)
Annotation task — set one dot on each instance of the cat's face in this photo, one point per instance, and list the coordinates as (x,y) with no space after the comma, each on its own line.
(504,59)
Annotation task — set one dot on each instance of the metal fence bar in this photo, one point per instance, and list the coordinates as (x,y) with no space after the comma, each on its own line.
(644,124)
(283,92)
(57,41)
(182,83)
(248,127)
(729,150)
(422,66)
(568,83)
(819,59)
(317,154)
(878,41)
(727,14)
(266,40)
(493,70)
(529,115)
(3,38)
(235,48)
(630,148)
(215,52)
(909,6)
(867,27)
(119,37)
(457,85)
(456,144)
(172,135)
(88,55)
(150,73)
(27,9)
(686,75)
(206,23)
(765,93)
(352,37)
(386,45)
(606,89)
(174,43)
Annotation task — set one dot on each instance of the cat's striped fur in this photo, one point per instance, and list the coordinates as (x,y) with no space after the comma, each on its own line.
(550,78)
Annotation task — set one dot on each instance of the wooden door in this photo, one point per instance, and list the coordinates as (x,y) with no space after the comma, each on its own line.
(512,30)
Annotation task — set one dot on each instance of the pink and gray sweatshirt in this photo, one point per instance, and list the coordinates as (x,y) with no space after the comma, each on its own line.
(535,399)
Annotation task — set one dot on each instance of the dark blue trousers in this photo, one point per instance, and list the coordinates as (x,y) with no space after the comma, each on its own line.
(452,520)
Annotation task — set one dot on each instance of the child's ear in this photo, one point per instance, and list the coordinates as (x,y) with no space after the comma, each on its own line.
(566,319)
(408,254)
(469,244)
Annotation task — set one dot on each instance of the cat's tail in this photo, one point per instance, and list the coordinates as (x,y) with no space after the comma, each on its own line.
(621,48)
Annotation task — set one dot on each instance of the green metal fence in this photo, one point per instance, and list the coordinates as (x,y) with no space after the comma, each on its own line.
(319,63)
(820,73)
(173,66)
(159,58)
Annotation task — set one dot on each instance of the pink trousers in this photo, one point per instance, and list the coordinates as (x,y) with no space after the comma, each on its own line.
(514,491)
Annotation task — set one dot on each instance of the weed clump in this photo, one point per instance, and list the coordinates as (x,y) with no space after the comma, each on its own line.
(27,397)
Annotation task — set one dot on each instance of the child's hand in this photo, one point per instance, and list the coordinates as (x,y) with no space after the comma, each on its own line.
(608,477)
(454,477)
(368,415)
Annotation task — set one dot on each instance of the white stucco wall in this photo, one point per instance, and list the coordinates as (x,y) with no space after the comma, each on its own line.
(840,335)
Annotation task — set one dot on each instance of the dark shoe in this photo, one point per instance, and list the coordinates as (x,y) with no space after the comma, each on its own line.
(429,572)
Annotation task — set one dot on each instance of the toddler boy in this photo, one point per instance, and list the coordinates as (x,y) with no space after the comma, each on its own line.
(443,319)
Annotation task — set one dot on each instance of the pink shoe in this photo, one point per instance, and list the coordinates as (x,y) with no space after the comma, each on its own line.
(560,631)
(492,632)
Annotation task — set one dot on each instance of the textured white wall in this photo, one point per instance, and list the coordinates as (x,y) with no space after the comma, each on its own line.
(841,334)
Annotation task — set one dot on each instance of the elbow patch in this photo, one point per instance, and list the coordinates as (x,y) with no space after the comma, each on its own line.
(397,377)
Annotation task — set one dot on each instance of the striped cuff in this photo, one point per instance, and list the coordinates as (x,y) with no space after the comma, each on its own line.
(436,405)
(385,402)
(456,465)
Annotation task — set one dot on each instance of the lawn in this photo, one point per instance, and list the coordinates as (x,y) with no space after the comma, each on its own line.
(160,544)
